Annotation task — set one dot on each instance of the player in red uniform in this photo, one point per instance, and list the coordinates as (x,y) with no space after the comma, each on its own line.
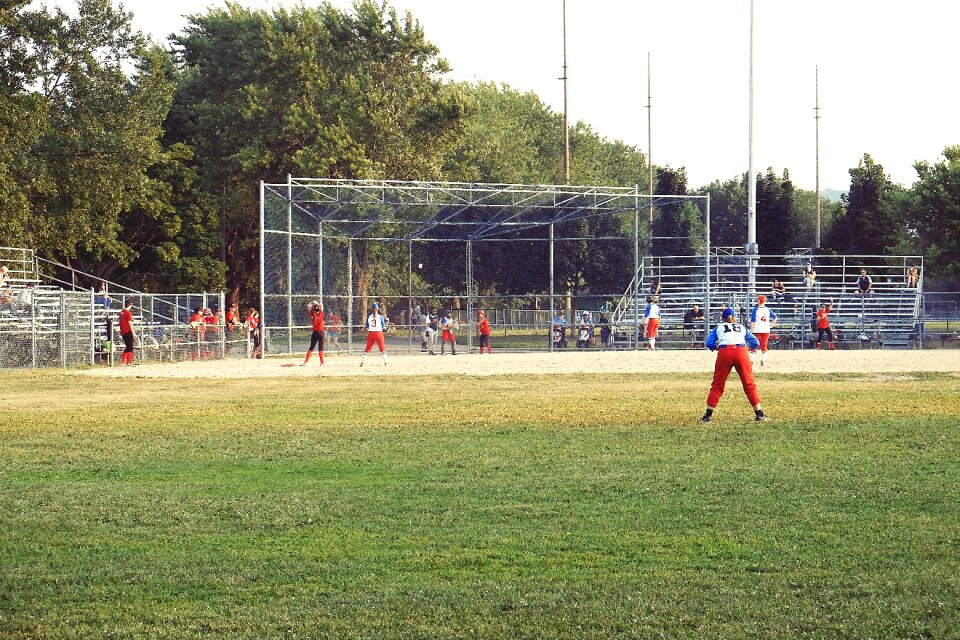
(253,332)
(823,324)
(126,333)
(731,340)
(448,325)
(483,328)
(315,311)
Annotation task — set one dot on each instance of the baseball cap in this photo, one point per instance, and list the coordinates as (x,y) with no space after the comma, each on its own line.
(761,298)
(727,312)
(376,306)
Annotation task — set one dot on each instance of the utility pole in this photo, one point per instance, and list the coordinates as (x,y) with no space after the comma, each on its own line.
(816,118)
(566,124)
(650,153)
(751,186)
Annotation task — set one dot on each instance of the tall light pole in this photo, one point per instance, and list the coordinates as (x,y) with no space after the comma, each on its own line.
(751,184)
(566,125)
(650,152)
(816,118)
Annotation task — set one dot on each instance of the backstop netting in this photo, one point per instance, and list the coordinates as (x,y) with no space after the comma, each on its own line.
(532,257)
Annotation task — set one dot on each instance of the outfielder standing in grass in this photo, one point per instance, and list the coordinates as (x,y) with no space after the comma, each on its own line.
(762,321)
(126,333)
(730,340)
(315,311)
(375,325)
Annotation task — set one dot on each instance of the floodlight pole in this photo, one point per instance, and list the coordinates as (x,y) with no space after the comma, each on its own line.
(636,266)
(566,124)
(263,308)
(289,264)
(816,118)
(751,248)
(350,295)
(410,292)
(650,153)
(550,323)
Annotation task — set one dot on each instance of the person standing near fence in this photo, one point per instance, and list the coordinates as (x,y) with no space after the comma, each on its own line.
(762,321)
(253,332)
(431,325)
(127,334)
(823,324)
(448,325)
(315,311)
(651,322)
(483,329)
(375,325)
(731,340)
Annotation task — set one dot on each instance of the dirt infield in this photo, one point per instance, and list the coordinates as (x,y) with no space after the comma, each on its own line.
(865,361)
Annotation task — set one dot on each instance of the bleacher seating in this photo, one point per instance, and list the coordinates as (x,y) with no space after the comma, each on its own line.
(886,317)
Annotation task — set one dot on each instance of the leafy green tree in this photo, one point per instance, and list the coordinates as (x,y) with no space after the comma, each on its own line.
(932,214)
(311,91)
(728,211)
(776,225)
(867,224)
(678,227)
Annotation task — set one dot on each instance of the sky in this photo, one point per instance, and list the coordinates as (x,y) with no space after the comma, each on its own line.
(884,69)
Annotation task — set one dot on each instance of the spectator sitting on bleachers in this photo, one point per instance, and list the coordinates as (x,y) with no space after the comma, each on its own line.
(100,295)
(655,288)
(25,299)
(777,291)
(693,321)
(913,277)
(864,284)
(809,276)
(8,302)
(4,275)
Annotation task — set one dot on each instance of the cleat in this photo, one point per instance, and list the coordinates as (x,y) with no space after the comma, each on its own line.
(705,419)
(761,417)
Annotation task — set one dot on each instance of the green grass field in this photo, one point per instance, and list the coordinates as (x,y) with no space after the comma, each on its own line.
(509,507)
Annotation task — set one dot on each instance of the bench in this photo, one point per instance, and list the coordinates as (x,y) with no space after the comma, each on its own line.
(946,338)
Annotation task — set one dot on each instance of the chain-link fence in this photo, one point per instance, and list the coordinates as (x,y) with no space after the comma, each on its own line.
(535,258)
(42,326)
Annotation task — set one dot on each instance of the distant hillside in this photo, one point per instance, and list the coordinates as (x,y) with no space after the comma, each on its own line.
(832,194)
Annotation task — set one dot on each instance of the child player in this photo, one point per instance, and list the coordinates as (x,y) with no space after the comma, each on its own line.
(823,324)
(126,333)
(730,340)
(375,325)
(315,311)
(762,320)
(448,324)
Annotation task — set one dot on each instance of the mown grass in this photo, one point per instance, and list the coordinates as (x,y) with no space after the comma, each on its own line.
(510,507)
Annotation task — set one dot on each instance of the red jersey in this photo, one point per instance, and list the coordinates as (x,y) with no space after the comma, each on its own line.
(232,317)
(196,318)
(316,318)
(253,322)
(484,326)
(823,321)
(126,321)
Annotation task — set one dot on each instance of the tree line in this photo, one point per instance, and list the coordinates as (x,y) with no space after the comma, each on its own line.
(141,162)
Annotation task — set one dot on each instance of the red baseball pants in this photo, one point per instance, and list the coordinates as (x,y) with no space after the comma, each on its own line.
(732,358)
(375,338)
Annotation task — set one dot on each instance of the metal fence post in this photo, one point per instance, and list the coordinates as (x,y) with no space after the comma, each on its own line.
(63,330)
(93,328)
(33,334)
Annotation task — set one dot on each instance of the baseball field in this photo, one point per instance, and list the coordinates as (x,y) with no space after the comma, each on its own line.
(508,496)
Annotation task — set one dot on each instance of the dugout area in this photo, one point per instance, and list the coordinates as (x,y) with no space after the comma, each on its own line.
(523,253)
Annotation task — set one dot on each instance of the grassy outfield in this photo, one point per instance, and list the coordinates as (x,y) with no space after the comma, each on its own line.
(510,507)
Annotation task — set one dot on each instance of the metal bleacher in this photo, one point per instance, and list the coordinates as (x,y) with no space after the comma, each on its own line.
(888,317)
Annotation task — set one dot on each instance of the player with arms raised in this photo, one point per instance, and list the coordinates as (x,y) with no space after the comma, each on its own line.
(315,311)
(730,340)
